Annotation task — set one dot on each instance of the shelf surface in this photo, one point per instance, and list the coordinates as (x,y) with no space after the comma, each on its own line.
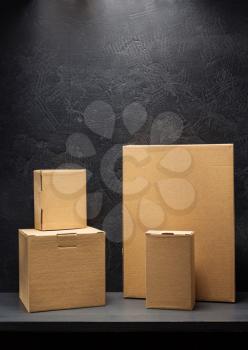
(125,315)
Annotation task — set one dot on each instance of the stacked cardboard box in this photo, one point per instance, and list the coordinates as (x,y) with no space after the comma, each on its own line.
(59,199)
(61,261)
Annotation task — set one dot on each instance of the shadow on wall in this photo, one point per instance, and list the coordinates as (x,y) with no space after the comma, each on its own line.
(230,13)
(14,4)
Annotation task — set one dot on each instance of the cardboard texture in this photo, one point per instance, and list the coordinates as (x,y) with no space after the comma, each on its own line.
(184,187)
(61,269)
(60,199)
(170,270)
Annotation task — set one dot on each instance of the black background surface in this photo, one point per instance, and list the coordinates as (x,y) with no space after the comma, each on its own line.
(59,56)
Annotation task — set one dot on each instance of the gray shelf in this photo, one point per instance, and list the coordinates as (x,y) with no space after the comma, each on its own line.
(125,315)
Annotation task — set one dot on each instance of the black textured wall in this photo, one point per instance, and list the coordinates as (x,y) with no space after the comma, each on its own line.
(79,78)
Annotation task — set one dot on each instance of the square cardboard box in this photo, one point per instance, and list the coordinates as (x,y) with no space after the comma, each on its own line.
(184,187)
(170,270)
(60,199)
(61,269)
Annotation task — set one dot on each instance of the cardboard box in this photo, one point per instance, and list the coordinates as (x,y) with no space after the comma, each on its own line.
(170,270)
(184,187)
(61,269)
(60,199)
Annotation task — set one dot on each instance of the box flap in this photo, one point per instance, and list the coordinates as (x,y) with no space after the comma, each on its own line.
(61,171)
(170,233)
(67,240)
(181,145)
(83,231)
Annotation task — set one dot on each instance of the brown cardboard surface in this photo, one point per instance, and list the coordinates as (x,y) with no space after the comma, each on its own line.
(170,270)
(184,187)
(60,199)
(61,269)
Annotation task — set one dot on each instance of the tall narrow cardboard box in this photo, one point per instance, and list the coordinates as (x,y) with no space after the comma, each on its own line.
(170,270)
(184,187)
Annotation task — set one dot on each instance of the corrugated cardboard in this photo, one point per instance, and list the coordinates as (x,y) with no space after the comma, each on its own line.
(187,187)
(61,269)
(170,270)
(60,199)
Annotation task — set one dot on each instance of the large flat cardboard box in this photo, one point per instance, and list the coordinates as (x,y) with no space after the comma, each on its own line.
(60,199)
(61,269)
(181,187)
(170,270)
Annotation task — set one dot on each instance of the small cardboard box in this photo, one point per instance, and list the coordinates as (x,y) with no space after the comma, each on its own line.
(61,269)
(187,187)
(170,270)
(60,199)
